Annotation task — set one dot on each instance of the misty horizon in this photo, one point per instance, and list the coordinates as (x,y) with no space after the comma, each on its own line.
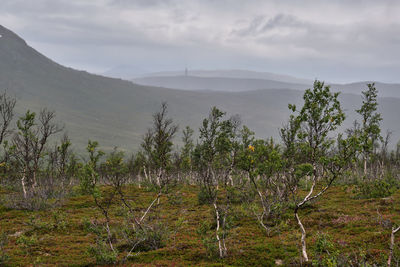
(338,42)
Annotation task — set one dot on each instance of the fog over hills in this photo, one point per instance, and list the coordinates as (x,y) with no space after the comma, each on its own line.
(117,112)
(247,81)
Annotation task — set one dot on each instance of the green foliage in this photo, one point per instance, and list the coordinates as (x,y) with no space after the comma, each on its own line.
(38,225)
(94,153)
(27,242)
(325,252)
(321,114)
(88,174)
(102,253)
(153,236)
(60,221)
(303,170)
(208,239)
(261,173)
(370,131)
(150,236)
(90,227)
(26,123)
(205,196)
(187,149)
(261,158)
(377,188)
(57,222)
(114,170)
(87,177)
(157,144)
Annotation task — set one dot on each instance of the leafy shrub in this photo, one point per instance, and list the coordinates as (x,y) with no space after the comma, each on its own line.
(58,222)
(150,187)
(86,175)
(377,188)
(325,252)
(209,240)
(38,225)
(154,237)
(102,253)
(27,242)
(204,196)
(240,195)
(146,238)
(361,258)
(91,226)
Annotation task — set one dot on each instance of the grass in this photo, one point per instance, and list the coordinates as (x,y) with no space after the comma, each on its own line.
(353,224)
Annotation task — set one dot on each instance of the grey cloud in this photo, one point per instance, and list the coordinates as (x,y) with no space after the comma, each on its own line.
(332,38)
(140,3)
(282,20)
(261,24)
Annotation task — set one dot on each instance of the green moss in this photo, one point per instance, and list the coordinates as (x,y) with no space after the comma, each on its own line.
(350,223)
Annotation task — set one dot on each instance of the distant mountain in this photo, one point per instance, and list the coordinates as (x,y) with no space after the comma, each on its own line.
(384,89)
(194,83)
(234,73)
(117,112)
(125,72)
(238,84)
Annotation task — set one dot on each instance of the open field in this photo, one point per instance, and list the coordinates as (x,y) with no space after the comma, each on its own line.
(59,237)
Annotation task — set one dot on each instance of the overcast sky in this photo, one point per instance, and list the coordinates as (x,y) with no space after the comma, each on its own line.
(333,40)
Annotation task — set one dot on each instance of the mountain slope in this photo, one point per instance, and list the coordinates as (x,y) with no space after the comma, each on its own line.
(117,113)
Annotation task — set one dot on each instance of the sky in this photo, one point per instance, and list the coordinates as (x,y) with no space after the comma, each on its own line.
(332,40)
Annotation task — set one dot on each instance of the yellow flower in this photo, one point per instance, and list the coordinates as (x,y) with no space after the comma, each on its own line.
(251,148)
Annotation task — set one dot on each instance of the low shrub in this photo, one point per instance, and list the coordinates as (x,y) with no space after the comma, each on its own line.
(4,258)
(378,188)
(208,239)
(325,252)
(27,243)
(103,253)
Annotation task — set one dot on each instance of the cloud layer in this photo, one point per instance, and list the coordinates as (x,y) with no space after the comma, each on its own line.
(327,39)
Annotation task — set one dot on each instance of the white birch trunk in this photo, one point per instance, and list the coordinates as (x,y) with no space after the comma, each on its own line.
(221,252)
(394,231)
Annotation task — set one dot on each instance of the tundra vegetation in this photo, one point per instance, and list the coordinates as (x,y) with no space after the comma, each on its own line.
(315,197)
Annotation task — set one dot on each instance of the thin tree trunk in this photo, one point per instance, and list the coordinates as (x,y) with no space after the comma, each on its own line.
(140,178)
(23,184)
(145,173)
(303,230)
(221,252)
(159,177)
(34,184)
(303,237)
(151,205)
(394,231)
(223,236)
(365,166)
(109,236)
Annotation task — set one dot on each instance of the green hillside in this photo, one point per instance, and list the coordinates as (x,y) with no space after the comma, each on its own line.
(117,112)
